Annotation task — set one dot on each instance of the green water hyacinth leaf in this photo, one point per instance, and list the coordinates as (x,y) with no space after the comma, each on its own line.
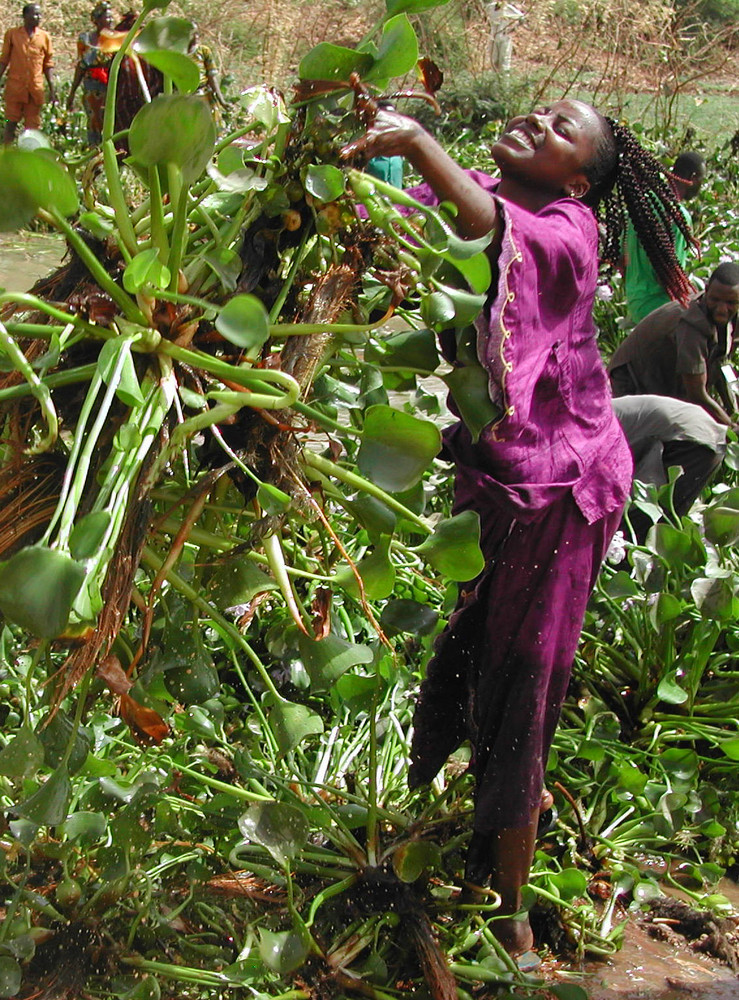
(398,52)
(22,756)
(454,548)
(292,723)
(467,305)
(244,321)
(669,691)
(568,884)
(127,389)
(226,264)
(437,310)
(325,182)
(163,43)
(731,748)
(414,858)
(38,587)
(721,525)
(714,597)
(408,349)
(145,271)
(85,826)
(11,976)
(405,615)
(325,660)
(177,129)
(376,570)
(468,385)
(272,500)
(237,582)
(411,6)
(88,534)
(278,827)
(282,951)
(333,62)
(48,806)
(30,181)
(396,448)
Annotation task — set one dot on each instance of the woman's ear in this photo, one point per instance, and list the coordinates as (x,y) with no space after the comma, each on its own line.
(578,187)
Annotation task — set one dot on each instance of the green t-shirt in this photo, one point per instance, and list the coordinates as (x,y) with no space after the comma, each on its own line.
(643,290)
(387,168)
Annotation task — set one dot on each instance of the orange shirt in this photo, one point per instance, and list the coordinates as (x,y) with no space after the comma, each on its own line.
(27,57)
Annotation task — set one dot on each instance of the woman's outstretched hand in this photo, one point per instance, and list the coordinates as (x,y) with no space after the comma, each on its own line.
(390,134)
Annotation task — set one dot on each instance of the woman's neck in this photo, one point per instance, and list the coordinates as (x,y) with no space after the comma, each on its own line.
(530,198)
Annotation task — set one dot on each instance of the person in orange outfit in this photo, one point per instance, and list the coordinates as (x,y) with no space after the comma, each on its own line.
(28,57)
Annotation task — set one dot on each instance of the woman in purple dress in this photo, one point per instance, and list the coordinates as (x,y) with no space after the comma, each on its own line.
(549,478)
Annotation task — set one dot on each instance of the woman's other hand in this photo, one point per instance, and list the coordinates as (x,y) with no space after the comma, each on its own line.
(391,134)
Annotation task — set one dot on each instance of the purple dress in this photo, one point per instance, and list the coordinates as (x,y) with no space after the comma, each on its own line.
(549,481)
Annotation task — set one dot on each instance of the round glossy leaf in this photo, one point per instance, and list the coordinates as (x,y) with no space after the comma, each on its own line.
(468,385)
(292,723)
(244,321)
(376,570)
(180,68)
(567,991)
(22,756)
(731,748)
(88,534)
(569,884)
(404,615)
(236,582)
(30,181)
(396,448)
(324,181)
(278,827)
(85,826)
(327,659)
(355,693)
(272,500)
(170,33)
(414,858)
(454,548)
(177,129)
(669,691)
(333,62)
(38,587)
(437,310)
(195,681)
(631,779)
(411,6)
(145,271)
(282,951)
(714,597)
(410,348)
(127,388)
(48,805)
(226,264)
(11,976)
(721,525)
(678,763)
(398,51)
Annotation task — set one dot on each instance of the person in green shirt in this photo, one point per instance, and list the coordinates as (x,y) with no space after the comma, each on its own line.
(644,291)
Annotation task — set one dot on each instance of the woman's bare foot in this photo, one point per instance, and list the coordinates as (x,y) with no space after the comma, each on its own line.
(546,801)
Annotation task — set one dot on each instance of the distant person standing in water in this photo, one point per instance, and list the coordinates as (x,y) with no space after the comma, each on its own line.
(95,51)
(28,57)
(503,18)
(643,288)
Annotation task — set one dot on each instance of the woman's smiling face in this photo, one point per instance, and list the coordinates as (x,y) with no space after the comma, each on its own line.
(550,148)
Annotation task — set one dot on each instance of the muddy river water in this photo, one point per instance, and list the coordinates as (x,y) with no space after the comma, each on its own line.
(644,969)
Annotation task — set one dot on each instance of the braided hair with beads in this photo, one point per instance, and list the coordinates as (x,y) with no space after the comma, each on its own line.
(627,180)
